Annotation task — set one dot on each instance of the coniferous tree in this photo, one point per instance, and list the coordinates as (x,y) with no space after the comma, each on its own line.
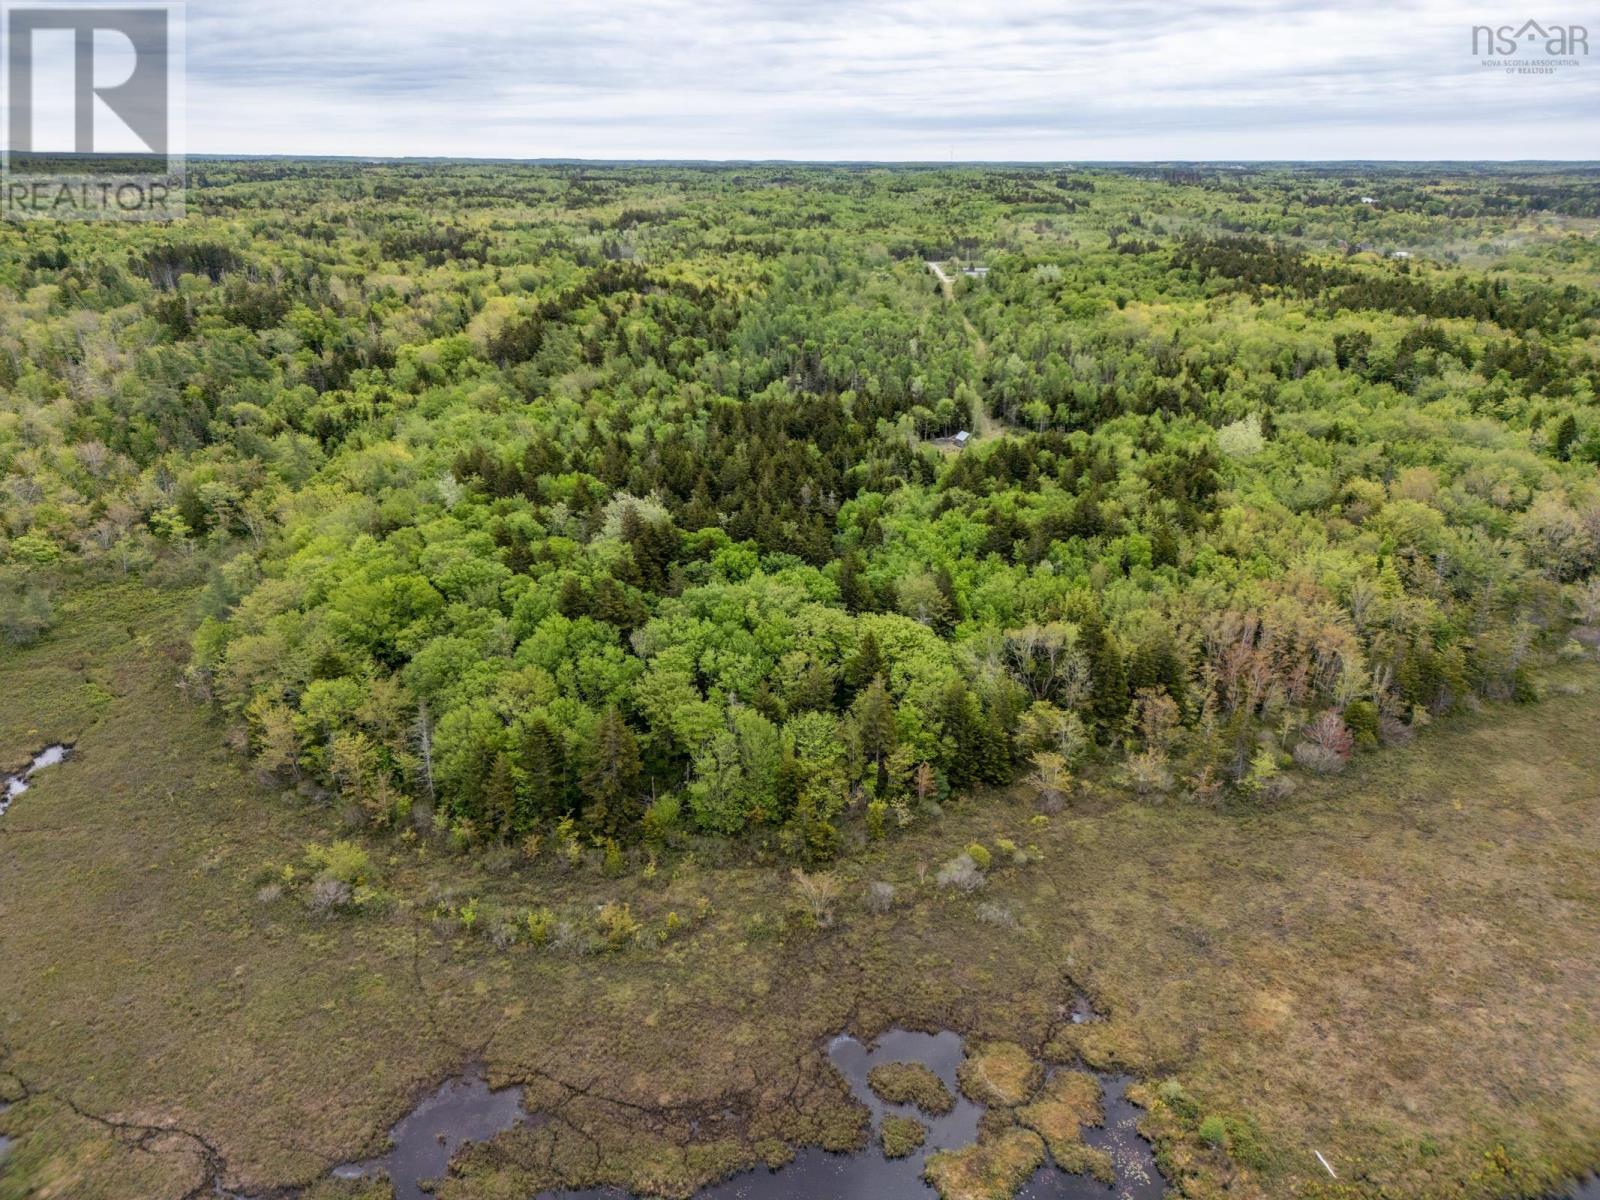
(875,726)
(544,767)
(611,776)
(500,797)
(866,665)
(854,590)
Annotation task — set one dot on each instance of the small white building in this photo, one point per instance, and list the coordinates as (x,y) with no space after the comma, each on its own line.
(1369,199)
(961,439)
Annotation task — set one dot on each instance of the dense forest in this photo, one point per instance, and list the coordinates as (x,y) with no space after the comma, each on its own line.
(624,503)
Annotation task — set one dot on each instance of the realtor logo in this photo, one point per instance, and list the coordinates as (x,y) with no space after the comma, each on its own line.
(94,104)
(1531,47)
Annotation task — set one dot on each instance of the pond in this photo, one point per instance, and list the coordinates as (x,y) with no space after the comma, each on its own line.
(869,1175)
(464,1109)
(16,784)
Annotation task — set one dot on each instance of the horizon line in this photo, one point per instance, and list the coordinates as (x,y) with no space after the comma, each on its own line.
(1228,161)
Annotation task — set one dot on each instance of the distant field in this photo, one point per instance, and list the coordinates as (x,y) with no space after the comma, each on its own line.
(1397,969)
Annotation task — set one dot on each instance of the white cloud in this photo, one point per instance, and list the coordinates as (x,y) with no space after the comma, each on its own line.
(875,79)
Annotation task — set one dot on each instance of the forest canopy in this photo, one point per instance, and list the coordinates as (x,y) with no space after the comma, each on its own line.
(626,500)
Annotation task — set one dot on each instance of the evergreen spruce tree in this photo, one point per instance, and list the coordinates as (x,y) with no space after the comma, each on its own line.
(611,776)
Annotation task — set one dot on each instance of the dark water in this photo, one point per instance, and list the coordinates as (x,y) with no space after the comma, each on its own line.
(15,785)
(465,1109)
(870,1176)
(1583,1189)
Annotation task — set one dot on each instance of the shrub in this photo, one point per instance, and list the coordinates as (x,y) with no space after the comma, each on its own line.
(327,894)
(25,616)
(979,855)
(343,860)
(462,834)
(614,865)
(1392,731)
(961,873)
(1586,600)
(997,915)
(1205,786)
(877,818)
(1329,732)
(1148,773)
(1318,759)
(1175,1098)
(670,927)
(880,896)
(1052,778)
(1361,718)
(1237,1137)
(570,847)
(540,925)
(661,818)
(818,893)
(1044,727)
(617,925)
(1278,788)
(35,550)
(1263,770)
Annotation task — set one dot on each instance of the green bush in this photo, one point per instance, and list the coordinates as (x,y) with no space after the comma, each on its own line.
(342,860)
(670,928)
(877,818)
(1238,1137)
(1175,1098)
(1361,719)
(540,925)
(35,550)
(661,818)
(980,856)
(617,924)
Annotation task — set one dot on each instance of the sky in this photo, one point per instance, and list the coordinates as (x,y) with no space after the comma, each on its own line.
(891,80)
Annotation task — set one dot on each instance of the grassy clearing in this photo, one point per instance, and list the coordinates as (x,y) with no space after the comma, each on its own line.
(1397,968)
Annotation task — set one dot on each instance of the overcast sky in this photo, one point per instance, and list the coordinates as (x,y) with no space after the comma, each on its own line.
(878,79)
